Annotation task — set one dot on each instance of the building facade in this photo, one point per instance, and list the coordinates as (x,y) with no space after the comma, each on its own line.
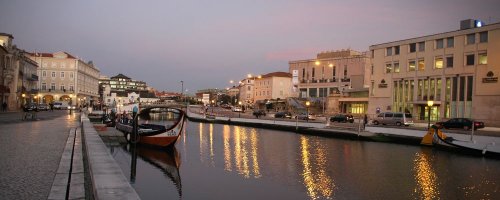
(335,81)
(18,75)
(120,90)
(63,77)
(247,94)
(456,70)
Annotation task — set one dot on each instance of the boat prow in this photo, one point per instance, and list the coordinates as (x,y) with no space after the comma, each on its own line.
(436,137)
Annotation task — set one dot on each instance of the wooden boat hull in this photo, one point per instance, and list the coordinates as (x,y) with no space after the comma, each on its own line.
(485,149)
(164,138)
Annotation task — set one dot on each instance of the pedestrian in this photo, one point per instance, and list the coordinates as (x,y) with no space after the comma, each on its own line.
(365,121)
(51,104)
(4,106)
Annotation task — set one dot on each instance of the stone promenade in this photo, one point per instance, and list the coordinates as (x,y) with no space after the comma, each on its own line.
(30,152)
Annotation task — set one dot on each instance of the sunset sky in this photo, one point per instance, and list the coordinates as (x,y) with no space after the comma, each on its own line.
(208,43)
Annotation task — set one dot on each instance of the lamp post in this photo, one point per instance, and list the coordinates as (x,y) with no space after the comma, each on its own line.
(70,103)
(182,89)
(24,96)
(429,105)
(307,113)
(239,113)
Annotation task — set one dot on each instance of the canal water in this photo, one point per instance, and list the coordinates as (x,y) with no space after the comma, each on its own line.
(214,161)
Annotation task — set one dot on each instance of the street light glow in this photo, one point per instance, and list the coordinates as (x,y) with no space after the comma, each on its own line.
(317,63)
(430,103)
(308,103)
(330,65)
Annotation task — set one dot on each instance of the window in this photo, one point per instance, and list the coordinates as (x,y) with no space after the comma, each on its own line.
(44,73)
(71,75)
(372,68)
(44,86)
(413,47)
(411,66)
(471,38)
(438,63)
(52,86)
(469,59)
(62,87)
(388,68)
(482,58)
(449,61)
(450,42)
(71,88)
(439,44)
(345,71)
(62,74)
(396,67)
(388,51)
(396,50)
(483,37)
(421,65)
(333,72)
(53,74)
(421,46)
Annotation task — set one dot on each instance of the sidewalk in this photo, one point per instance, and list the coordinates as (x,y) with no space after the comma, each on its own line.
(31,153)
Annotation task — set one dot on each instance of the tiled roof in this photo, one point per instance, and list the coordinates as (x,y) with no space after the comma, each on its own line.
(120,76)
(50,55)
(277,74)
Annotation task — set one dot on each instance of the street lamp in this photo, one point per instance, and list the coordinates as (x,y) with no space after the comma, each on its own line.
(307,114)
(429,104)
(239,113)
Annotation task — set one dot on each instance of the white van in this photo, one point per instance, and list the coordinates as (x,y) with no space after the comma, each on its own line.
(61,105)
(393,118)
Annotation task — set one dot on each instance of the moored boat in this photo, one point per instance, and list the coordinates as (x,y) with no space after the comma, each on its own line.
(163,131)
(436,137)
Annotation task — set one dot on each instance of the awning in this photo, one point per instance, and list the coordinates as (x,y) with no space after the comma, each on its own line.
(360,99)
(425,103)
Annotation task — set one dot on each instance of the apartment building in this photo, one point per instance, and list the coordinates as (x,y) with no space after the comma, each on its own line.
(64,77)
(456,71)
(121,89)
(18,75)
(336,80)
(247,93)
(272,89)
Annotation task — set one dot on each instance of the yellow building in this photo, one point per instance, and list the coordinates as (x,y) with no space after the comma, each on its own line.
(336,81)
(456,70)
(63,77)
(272,89)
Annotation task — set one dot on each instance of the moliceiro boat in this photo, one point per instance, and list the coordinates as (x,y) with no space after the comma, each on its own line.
(155,126)
(435,137)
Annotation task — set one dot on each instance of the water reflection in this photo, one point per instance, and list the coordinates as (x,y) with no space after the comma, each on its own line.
(425,177)
(167,160)
(318,183)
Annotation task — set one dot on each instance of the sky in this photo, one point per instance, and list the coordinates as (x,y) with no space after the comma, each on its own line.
(206,44)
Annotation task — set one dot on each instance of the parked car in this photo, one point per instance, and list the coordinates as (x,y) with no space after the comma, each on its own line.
(237,109)
(394,118)
(258,113)
(342,118)
(30,107)
(225,106)
(43,106)
(304,116)
(462,123)
(283,115)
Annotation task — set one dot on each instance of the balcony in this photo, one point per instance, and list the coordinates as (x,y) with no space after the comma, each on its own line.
(345,80)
